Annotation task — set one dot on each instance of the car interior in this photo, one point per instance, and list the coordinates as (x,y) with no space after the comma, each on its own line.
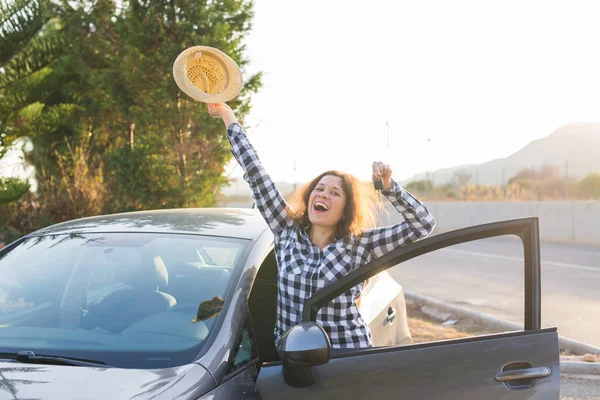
(263,308)
(139,299)
(143,297)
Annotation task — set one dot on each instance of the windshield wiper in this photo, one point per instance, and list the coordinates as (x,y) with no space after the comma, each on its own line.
(31,357)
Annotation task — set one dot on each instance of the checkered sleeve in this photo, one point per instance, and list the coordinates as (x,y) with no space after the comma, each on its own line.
(269,201)
(418,223)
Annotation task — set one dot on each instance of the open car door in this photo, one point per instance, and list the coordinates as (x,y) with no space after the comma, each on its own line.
(510,366)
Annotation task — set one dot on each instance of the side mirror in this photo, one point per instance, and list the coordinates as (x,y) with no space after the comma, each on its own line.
(300,349)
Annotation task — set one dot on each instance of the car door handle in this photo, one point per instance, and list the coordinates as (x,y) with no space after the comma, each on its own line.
(391,315)
(529,373)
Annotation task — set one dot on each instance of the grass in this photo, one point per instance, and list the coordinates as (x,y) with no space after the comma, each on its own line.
(426,331)
(424,328)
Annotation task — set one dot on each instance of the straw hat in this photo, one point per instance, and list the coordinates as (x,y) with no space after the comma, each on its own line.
(207,74)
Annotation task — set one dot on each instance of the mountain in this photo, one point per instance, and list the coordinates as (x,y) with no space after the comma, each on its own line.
(574,148)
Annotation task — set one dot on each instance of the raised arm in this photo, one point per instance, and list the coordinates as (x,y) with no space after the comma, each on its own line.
(267,197)
(418,221)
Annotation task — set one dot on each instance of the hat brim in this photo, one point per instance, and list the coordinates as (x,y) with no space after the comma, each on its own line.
(232,89)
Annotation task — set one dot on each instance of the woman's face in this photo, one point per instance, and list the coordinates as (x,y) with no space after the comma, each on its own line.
(327,202)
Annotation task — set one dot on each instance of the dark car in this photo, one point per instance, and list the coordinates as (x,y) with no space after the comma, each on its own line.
(181,304)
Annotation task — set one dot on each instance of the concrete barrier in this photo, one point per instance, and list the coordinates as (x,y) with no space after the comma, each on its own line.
(560,221)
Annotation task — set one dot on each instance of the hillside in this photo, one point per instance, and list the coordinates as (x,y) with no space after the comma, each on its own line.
(574,144)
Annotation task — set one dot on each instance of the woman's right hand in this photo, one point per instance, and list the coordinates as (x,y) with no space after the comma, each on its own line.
(223,111)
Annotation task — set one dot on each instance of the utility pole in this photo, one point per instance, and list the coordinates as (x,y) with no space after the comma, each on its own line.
(295,177)
(387,125)
(532,183)
(431,188)
(503,185)
(477,184)
(566,179)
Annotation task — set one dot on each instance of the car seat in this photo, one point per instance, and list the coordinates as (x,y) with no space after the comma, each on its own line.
(123,307)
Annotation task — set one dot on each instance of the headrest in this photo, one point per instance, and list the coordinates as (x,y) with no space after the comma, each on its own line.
(149,274)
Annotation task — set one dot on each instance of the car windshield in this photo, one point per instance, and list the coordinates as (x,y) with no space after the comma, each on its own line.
(130,300)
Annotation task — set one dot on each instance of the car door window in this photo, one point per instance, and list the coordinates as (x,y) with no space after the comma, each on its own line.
(245,352)
(466,290)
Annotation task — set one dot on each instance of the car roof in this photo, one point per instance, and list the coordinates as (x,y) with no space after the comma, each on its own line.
(244,223)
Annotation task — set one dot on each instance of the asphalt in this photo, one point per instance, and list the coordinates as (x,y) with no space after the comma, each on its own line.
(487,276)
(579,387)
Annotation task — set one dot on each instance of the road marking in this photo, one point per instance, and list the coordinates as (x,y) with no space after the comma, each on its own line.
(551,263)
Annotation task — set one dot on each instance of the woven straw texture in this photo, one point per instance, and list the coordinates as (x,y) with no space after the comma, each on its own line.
(207,75)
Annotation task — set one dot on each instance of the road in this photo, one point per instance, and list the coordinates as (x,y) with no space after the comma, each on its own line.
(487,276)
(586,387)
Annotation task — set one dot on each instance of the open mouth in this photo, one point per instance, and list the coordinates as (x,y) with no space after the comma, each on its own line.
(320,206)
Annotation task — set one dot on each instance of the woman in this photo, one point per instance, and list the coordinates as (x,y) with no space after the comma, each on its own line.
(325,238)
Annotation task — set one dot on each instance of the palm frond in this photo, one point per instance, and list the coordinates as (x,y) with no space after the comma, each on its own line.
(25,91)
(20,20)
(40,52)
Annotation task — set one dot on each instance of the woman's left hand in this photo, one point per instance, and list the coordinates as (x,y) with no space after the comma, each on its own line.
(383,171)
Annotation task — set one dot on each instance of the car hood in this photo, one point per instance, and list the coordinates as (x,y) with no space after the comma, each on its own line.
(36,381)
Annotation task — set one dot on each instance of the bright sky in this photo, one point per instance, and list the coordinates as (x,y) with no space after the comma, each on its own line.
(480,79)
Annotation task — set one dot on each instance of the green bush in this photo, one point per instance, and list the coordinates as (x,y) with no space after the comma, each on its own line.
(590,186)
(12,189)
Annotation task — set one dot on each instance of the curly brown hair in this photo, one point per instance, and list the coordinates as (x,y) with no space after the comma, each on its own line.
(360,210)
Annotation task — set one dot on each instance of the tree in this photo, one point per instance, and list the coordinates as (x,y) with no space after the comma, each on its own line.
(462,178)
(590,186)
(178,153)
(448,191)
(30,42)
(45,91)
(90,85)
(546,172)
(420,187)
(12,189)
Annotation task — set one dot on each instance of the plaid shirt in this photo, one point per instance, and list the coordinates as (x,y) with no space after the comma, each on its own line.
(303,268)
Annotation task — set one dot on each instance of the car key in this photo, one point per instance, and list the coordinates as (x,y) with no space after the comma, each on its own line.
(378,183)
